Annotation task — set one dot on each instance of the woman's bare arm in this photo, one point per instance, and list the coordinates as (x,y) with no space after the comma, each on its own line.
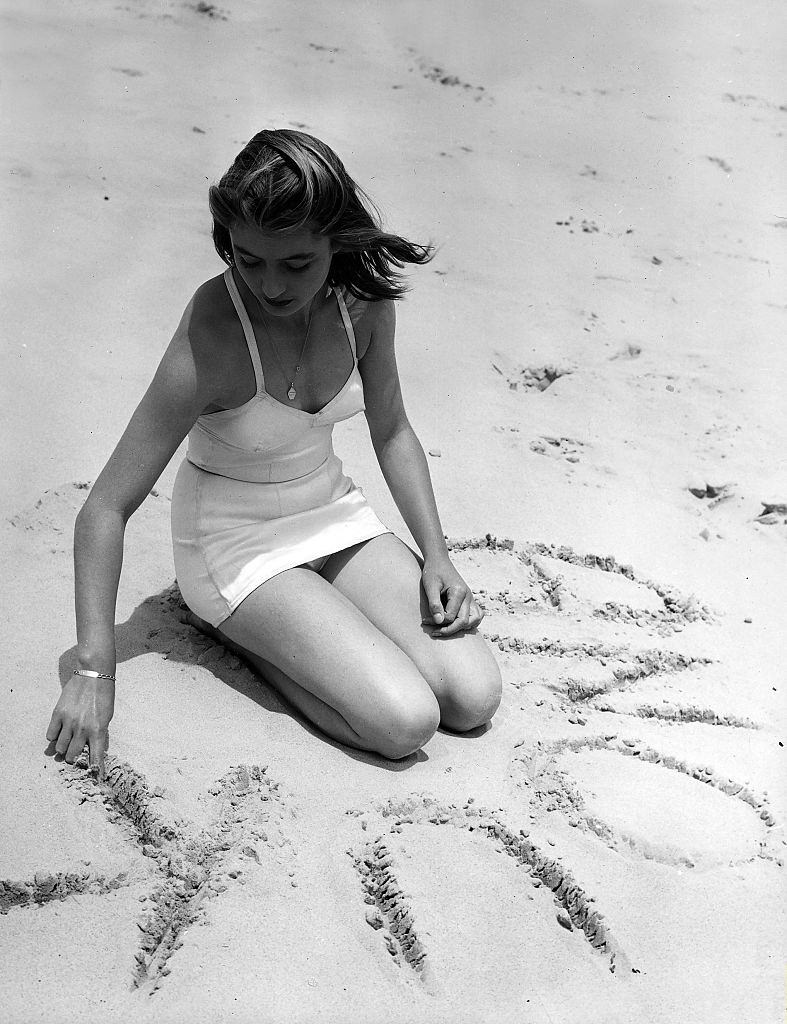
(181,388)
(406,472)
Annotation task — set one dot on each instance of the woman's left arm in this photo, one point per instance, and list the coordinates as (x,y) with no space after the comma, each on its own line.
(403,463)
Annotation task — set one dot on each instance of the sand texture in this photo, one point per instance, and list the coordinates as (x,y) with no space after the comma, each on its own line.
(595,362)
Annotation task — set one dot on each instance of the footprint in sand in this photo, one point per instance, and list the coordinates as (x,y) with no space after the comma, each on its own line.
(722,164)
(209,10)
(325,49)
(558,447)
(630,351)
(439,75)
(773,513)
(534,378)
(748,100)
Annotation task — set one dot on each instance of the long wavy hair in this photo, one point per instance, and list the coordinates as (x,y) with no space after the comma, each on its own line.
(288,180)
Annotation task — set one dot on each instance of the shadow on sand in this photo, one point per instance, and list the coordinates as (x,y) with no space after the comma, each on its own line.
(159,625)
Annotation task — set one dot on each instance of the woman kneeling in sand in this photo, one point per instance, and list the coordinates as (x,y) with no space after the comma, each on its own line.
(277,552)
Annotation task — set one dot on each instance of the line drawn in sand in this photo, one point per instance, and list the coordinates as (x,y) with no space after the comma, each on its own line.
(194,864)
(567,582)
(631,664)
(554,784)
(392,909)
(46,886)
(535,586)
(624,668)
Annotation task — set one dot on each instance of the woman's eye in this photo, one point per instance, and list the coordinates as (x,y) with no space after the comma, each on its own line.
(301,266)
(247,263)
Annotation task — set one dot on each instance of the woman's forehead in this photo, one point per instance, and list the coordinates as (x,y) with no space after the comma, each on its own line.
(276,244)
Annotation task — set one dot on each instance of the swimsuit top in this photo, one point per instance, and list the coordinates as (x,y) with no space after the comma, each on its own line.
(263,440)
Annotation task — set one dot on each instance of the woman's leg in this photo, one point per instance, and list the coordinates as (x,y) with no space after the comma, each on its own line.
(382,578)
(333,664)
(311,707)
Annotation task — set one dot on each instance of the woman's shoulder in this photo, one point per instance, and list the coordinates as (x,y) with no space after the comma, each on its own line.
(368,317)
(209,318)
(209,332)
(210,306)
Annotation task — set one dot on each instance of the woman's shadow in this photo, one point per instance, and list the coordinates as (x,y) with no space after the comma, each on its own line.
(160,625)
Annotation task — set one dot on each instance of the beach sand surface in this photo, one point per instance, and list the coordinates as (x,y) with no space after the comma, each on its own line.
(595,363)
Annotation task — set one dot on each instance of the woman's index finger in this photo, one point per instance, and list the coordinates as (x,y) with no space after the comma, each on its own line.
(98,748)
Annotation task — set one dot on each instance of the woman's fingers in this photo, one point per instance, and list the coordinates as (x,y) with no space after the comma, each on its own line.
(461,619)
(55,723)
(64,738)
(434,600)
(76,746)
(98,747)
(457,595)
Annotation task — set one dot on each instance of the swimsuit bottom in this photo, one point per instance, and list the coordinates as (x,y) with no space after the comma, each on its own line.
(230,536)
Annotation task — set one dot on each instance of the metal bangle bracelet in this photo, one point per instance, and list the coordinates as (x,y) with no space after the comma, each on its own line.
(92,674)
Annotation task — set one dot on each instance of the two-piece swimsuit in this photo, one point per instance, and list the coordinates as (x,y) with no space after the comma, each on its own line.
(261,490)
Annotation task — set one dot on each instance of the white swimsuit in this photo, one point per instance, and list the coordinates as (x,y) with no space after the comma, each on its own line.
(261,490)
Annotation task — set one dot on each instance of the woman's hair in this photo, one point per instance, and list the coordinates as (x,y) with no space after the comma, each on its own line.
(287,180)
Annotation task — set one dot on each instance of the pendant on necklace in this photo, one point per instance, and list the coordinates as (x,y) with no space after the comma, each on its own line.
(291,394)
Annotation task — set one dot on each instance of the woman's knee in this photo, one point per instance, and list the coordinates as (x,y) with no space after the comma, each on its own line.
(470,698)
(405,726)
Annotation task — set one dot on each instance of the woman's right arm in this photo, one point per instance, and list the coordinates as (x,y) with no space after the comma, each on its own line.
(184,385)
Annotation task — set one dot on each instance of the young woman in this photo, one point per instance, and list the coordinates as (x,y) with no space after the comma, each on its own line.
(277,553)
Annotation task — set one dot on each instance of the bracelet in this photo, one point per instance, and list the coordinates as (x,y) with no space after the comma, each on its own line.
(92,674)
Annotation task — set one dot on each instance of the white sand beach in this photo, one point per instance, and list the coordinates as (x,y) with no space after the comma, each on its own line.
(595,362)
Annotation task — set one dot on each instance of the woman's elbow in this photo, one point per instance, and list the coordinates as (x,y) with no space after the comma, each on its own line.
(96,513)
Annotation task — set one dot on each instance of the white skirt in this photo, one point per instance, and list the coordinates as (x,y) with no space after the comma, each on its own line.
(229,536)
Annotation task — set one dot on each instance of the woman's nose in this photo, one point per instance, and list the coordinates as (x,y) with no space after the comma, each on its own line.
(272,286)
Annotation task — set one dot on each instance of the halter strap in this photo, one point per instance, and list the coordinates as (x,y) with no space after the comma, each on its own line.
(348,324)
(248,330)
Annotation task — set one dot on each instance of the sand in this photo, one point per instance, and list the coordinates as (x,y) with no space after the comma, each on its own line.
(595,360)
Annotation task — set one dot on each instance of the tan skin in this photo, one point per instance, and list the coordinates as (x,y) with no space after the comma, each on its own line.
(391,683)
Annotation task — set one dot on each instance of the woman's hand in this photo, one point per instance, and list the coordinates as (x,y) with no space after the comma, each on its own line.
(82,715)
(452,607)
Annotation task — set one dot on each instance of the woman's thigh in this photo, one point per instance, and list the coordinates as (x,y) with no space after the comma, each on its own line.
(382,578)
(317,637)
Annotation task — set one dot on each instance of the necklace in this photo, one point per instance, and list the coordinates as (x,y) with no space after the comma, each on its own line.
(292,394)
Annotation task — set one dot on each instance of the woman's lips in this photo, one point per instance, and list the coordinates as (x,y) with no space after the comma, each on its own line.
(277,302)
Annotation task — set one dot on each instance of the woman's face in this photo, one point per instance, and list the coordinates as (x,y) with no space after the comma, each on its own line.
(283,269)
